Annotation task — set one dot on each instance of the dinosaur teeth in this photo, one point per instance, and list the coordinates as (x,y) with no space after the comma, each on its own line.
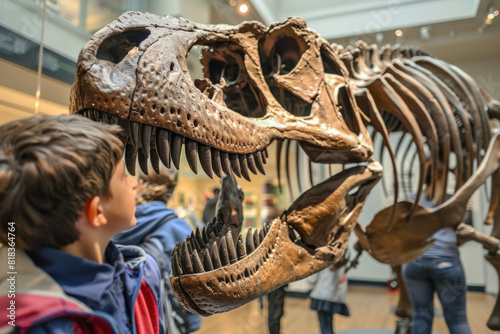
(215,256)
(250,246)
(204,234)
(134,131)
(251,164)
(186,264)
(176,147)
(155,160)
(261,235)
(189,246)
(105,117)
(207,261)
(197,265)
(259,163)
(213,237)
(143,161)
(93,115)
(217,227)
(205,156)
(240,248)
(192,154)
(146,142)
(176,268)
(146,138)
(199,238)
(224,255)
(97,115)
(226,164)
(233,258)
(244,167)
(153,152)
(163,146)
(194,243)
(114,119)
(256,239)
(235,164)
(216,162)
(130,158)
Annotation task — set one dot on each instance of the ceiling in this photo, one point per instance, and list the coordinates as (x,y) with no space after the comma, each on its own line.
(452,25)
(340,18)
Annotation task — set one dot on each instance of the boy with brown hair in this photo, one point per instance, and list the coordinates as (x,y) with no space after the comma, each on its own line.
(64,193)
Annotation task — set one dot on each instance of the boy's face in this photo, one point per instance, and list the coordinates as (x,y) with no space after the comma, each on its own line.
(119,209)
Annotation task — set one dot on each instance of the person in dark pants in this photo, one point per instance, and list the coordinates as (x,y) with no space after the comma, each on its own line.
(276,305)
(438,270)
(328,294)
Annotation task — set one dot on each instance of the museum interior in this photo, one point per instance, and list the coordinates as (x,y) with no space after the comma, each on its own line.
(40,42)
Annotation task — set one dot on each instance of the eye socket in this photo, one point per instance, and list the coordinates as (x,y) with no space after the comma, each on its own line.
(289,54)
(231,73)
(116,47)
(215,68)
(219,69)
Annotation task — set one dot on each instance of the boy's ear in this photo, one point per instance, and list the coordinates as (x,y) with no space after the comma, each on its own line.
(94,212)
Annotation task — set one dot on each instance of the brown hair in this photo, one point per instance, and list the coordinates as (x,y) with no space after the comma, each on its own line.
(49,167)
(157,187)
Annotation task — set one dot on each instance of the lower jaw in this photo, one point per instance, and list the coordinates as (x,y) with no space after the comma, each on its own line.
(280,258)
(280,261)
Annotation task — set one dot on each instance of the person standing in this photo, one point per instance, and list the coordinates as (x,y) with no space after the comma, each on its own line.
(211,204)
(157,231)
(328,294)
(439,270)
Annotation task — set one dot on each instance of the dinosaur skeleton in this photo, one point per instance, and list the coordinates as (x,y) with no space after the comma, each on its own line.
(285,83)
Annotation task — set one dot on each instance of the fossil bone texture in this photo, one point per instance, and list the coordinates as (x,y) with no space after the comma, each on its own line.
(283,83)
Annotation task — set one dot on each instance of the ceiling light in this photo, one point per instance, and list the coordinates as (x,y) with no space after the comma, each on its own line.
(399,33)
(490,16)
(243,8)
(492,13)
(425,32)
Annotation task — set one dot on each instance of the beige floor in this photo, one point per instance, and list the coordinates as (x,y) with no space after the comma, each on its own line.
(370,307)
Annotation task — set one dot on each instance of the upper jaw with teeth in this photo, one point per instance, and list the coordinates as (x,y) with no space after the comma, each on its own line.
(150,86)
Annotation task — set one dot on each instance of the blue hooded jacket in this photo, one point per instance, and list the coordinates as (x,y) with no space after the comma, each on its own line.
(154,219)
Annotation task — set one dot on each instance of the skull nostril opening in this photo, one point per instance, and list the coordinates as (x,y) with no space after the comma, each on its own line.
(117,47)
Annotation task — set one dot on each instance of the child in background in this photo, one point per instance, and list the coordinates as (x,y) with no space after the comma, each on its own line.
(329,289)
